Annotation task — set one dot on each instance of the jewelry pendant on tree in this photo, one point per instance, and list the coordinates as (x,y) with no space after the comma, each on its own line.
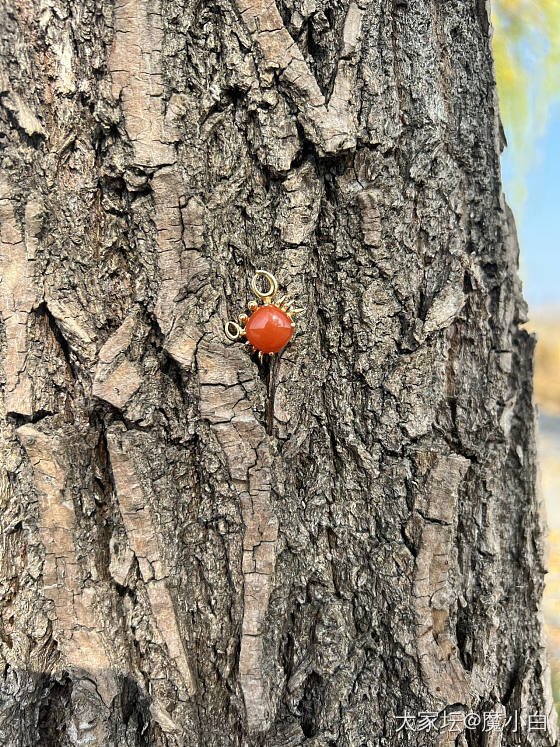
(270,326)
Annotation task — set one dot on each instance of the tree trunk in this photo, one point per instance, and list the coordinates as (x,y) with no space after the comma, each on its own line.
(201,551)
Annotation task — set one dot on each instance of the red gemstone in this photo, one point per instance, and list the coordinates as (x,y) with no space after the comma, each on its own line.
(268,329)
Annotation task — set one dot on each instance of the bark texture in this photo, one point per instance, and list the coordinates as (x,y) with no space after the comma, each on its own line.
(172,573)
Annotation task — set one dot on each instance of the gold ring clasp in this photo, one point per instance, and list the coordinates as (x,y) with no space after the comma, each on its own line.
(238,331)
(271,290)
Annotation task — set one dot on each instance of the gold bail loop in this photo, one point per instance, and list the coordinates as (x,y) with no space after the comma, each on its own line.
(272,289)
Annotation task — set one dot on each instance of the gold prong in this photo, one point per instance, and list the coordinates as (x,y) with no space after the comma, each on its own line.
(271,355)
(295,311)
(252,305)
(280,301)
(242,318)
(293,324)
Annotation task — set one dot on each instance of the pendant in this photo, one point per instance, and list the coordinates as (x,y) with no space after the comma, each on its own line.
(270,327)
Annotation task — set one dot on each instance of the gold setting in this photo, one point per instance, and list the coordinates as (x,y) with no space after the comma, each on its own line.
(267,297)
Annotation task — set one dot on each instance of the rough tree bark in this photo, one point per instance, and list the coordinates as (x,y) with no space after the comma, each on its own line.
(172,573)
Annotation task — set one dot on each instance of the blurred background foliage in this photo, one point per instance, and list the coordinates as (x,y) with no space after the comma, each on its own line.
(527,56)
